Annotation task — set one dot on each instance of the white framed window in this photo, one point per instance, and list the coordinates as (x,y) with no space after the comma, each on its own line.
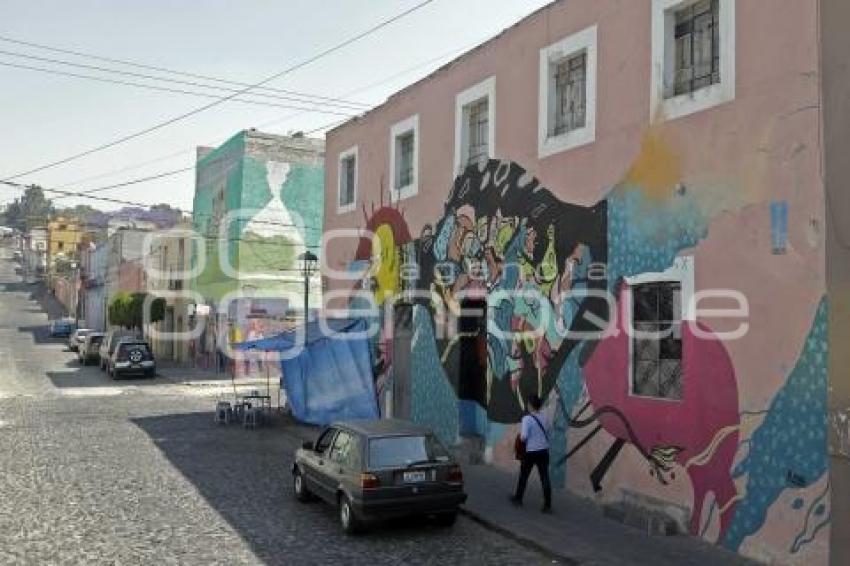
(659,304)
(404,158)
(347,181)
(693,56)
(567,95)
(475,124)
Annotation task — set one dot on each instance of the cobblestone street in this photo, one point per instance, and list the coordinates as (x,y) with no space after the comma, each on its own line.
(132,472)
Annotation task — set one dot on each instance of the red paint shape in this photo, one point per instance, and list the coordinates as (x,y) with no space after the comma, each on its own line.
(709,403)
(393,218)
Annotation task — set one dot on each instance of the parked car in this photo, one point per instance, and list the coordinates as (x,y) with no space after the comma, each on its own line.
(89,349)
(132,357)
(76,338)
(374,470)
(107,346)
(61,328)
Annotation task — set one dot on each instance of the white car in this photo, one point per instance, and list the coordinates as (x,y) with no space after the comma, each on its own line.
(77,337)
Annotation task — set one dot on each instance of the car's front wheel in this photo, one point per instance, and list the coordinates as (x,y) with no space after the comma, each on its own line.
(447,519)
(347,519)
(299,487)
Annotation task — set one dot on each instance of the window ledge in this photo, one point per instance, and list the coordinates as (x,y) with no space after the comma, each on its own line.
(551,145)
(404,192)
(346,208)
(697,101)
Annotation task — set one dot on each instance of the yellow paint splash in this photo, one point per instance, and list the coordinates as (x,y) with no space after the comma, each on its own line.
(385,264)
(656,169)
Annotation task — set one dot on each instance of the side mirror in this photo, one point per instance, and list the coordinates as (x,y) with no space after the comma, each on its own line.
(307,445)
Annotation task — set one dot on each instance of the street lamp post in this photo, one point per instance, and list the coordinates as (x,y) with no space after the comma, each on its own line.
(309,264)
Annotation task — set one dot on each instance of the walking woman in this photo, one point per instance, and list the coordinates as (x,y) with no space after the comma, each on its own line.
(534,438)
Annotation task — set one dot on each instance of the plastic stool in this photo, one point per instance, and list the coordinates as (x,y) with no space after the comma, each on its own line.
(223,412)
(253,417)
(239,410)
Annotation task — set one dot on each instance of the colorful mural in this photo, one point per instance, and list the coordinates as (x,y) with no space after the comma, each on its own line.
(273,211)
(255,210)
(506,280)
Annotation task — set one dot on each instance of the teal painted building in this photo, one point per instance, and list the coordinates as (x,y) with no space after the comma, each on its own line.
(258,205)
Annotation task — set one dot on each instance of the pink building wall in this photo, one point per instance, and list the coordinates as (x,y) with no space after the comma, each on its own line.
(732,161)
(131,277)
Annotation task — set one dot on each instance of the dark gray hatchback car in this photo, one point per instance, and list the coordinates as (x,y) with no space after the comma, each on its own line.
(375,470)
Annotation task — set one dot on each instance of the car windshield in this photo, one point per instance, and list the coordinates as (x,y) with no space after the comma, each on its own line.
(401,451)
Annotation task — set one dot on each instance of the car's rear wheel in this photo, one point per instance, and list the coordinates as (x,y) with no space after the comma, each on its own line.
(447,519)
(347,519)
(299,488)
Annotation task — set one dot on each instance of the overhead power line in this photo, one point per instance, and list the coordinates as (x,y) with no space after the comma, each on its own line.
(351,106)
(125,202)
(138,65)
(168,89)
(279,120)
(224,99)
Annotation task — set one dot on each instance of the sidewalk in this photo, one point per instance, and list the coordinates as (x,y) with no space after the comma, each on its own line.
(576,533)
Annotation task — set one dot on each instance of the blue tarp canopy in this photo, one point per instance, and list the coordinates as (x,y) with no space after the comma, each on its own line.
(326,370)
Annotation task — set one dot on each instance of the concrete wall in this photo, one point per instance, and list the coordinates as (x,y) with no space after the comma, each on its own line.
(699,199)
(95,308)
(169,261)
(94,265)
(835,70)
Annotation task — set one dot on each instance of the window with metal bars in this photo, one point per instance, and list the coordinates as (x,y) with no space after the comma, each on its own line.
(697,47)
(657,340)
(348,171)
(570,94)
(478,131)
(404,160)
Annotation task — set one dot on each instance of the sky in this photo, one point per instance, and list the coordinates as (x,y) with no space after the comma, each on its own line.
(47,117)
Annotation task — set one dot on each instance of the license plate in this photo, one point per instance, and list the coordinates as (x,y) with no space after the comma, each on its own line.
(414,477)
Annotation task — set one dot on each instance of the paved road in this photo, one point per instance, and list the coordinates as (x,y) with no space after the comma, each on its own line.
(135,472)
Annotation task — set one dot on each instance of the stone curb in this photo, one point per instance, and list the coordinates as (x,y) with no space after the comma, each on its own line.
(527,542)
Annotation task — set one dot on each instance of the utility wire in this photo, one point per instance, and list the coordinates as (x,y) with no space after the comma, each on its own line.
(303,100)
(172,71)
(224,99)
(280,119)
(125,168)
(163,174)
(234,98)
(194,215)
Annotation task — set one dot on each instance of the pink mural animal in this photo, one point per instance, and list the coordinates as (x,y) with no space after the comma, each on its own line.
(699,430)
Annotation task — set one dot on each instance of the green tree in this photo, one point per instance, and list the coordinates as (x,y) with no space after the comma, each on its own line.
(30,210)
(128,309)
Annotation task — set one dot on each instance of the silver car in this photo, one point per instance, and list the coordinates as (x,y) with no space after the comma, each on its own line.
(77,337)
